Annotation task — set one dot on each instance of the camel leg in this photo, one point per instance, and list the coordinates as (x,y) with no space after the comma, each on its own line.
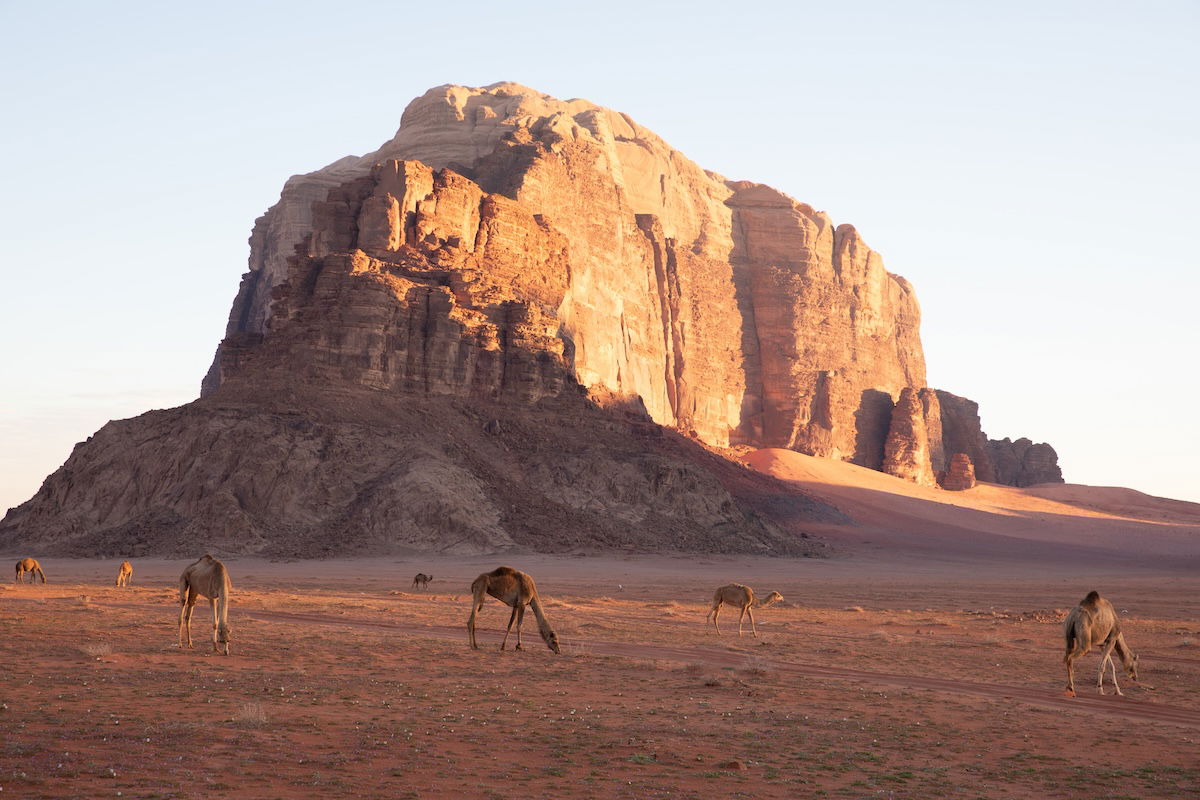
(753,628)
(212,601)
(1105,660)
(185,620)
(520,621)
(712,615)
(741,618)
(508,630)
(1070,662)
(471,625)
(1112,664)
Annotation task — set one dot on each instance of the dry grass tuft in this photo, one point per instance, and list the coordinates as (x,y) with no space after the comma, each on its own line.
(756,667)
(97,649)
(251,715)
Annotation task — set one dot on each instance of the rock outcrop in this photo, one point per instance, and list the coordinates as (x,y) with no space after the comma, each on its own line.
(725,308)
(959,474)
(522,323)
(963,433)
(1023,463)
(291,470)
(913,449)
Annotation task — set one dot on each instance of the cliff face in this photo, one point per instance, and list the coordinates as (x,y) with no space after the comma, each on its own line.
(518,324)
(724,308)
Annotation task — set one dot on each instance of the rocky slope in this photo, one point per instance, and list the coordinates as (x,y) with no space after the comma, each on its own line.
(561,316)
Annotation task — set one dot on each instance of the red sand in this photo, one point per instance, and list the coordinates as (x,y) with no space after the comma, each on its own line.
(924,660)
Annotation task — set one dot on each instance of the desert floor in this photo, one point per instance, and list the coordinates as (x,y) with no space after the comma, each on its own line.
(877,677)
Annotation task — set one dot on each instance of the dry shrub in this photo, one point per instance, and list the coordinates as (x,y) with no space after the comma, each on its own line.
(855,609)
(250,715)
(755,667)
(97,649)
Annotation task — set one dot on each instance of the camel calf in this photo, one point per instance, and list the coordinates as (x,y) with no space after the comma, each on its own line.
(31,566)
(421,580)
(1094,623)
(125,574)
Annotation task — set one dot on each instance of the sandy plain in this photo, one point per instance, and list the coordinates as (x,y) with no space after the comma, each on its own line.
(923,659)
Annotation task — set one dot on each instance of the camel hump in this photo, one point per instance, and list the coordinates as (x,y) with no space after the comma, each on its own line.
(1092,598)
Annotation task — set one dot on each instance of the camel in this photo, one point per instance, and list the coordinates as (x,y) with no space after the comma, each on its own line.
(1094,623)
(31,566)
(205,578)
(422,580)
(125,574)
(743,597)
(513,588)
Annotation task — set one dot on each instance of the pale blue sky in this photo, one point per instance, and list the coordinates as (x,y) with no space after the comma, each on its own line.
(1030,167)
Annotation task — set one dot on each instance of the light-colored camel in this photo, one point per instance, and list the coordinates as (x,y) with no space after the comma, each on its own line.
(421,580)
(31,566)
(513,588)
(125,574)
(735,594)
(205,578)
(1094,623)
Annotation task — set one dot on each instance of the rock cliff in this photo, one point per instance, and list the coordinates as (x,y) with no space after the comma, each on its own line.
(724,308)
(523,323)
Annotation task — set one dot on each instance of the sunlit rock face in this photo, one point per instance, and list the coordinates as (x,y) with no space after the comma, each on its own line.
(505,242)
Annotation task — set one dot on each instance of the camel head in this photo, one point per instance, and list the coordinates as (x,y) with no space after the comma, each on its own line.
(1131,668)
(551,639)
(773,597)
(223,635)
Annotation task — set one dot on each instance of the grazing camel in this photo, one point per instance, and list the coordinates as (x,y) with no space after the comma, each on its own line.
(743,597)
(1094,623)
(124,574)
(516,589)
(205,578)
(421,580)
(31,566)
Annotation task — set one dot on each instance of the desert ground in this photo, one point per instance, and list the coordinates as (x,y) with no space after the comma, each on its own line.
(923,658)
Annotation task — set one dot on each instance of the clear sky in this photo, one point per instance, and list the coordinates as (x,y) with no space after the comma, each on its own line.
(1030,166)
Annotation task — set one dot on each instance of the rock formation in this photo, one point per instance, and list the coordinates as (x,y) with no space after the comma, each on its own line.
(959,474)
(912,450)
(963,433)
(1023,463)
(724,308)
(521,323)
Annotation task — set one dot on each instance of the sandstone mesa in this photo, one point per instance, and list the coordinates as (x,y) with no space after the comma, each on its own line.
(526,323)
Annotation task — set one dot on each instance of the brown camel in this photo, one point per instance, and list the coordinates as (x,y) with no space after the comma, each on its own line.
(743,597)
(1094,623)
(421,580)
(516,589)
(31,566)
(125,574)
(205,578)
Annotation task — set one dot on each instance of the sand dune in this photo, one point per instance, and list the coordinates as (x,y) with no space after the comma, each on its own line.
(1095,525)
